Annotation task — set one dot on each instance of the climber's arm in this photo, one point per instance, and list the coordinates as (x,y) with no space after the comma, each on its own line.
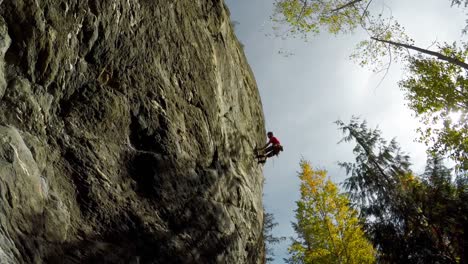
(266,146)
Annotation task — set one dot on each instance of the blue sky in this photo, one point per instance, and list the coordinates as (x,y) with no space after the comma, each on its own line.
(305,93)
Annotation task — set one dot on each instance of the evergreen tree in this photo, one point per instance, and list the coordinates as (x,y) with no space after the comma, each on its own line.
(268,237)
(443,204)
(409,220)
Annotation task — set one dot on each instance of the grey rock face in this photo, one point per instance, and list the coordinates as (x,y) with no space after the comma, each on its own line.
(126,134)
(4,45)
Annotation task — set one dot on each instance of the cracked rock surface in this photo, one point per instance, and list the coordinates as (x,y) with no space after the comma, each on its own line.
(126,134)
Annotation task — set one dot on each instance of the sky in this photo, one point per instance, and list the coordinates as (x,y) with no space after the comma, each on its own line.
(303,94)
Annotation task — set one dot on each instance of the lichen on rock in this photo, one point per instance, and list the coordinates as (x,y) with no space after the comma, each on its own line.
(126,134)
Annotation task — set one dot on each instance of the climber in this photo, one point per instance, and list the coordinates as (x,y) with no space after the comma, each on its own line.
(269,151)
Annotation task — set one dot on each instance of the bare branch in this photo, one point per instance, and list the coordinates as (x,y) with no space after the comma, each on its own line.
(346,5)
(389,64)
(438,55)
(365,11)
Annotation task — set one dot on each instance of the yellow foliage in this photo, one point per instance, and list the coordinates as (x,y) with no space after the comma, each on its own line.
(329,228)
(309,16)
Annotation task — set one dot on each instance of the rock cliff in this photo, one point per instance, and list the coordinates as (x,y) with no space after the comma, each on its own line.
(126,134)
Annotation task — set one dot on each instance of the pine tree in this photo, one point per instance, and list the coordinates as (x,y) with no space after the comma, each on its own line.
(409,219)
(268,237)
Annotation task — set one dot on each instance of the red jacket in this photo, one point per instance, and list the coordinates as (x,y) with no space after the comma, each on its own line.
(274,141)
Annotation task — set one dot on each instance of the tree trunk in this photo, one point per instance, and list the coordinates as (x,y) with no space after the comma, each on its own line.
(438,55)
